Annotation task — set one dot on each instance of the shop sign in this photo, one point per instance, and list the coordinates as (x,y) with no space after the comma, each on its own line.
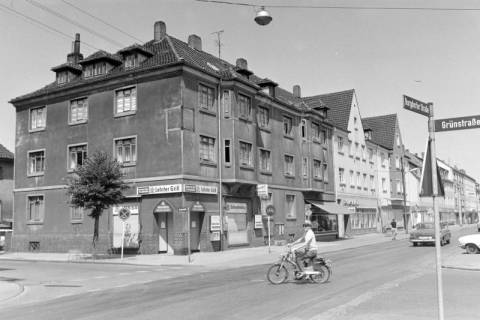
(258,221)
(205,189)
(215,223)
(168,188)
(236,207)
(262,190)
(215,236)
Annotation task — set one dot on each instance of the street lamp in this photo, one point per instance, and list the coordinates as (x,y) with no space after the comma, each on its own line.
(263,17)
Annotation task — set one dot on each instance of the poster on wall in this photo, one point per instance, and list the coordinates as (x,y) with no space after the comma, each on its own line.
(258,221)
(132,226)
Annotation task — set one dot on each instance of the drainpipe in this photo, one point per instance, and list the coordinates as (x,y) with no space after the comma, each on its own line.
(220,163)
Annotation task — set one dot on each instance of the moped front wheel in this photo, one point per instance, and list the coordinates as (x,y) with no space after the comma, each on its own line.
(277,274)
(322,276)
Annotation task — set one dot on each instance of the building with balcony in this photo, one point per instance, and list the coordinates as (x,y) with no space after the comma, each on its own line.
(195,136)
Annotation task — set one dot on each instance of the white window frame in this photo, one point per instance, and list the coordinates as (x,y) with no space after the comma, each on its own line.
(35,173)
(268,161)
(287,126)
(304,167)
(289,167)
(41,124)
(133,156)
(70,113)
(210,149)
(245,154)
(133,101)
(81,214)
(263,117)
(244,106)
(41,214)
(206,105)
(69,153)
(341,176)
(317,169)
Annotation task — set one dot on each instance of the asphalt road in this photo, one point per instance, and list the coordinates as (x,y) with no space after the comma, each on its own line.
(384,281)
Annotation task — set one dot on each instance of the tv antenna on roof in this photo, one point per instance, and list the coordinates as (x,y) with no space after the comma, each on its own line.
(218,42)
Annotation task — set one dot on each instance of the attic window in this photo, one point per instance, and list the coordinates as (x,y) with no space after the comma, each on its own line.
(132,61)
(62,77)
(213,66)
(95,69)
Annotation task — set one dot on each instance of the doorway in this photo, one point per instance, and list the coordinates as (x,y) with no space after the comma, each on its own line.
(164,218)
(196,219)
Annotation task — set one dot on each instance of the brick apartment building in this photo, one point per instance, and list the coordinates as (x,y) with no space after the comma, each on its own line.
(195,136)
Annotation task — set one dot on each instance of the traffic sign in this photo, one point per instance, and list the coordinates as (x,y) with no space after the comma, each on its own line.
(262,190)
(415,105)
(460,123)
(270,210)
(124,214)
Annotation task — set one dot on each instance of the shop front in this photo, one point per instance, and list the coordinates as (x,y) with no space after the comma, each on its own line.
(325,219)
(236,214)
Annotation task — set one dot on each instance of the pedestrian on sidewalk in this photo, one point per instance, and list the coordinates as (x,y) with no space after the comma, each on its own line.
(393,224)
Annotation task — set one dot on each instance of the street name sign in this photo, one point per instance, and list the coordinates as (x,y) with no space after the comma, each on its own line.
(415,105)
(460,123)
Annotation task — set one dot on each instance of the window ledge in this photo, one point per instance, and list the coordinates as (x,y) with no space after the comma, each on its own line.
(124,114)
(34,222)
(245,119)
(35,174)
(265,128)
(208,163)
(288,176)
(317,179)
(316,140)
(351,156)
(247,167)
(125,165)
(340,152)
(76,221)
(288,136)
(207,111)
(289,218)
(77,123)
(36,130)
(267,173)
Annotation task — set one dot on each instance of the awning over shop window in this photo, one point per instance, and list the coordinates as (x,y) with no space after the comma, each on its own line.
(330,207)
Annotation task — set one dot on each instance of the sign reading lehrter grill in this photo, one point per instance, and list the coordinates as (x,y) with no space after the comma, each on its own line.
(460,123)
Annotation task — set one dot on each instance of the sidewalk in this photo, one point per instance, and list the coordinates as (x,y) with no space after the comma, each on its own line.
(214,260)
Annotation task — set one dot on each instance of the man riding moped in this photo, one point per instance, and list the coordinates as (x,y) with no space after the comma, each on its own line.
(307,249)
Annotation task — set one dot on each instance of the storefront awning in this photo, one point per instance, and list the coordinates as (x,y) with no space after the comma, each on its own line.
(330,207)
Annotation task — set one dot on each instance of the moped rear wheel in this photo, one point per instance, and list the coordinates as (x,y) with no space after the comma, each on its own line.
(277,274)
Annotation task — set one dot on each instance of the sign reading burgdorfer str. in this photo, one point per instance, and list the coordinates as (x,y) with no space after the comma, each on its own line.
(416,105)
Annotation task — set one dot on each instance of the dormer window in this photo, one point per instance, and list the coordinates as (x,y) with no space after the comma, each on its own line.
(62,77)
(95,69)
(131,61)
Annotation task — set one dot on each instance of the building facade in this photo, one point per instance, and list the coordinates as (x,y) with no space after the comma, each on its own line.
(196,137)
(6,197)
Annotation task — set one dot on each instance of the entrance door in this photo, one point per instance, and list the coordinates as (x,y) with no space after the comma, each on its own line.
(163,232)
(195,220)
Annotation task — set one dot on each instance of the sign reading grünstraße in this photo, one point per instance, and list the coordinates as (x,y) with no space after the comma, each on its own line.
(460,123)
(416,105)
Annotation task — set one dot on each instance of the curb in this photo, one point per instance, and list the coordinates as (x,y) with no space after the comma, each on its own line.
(460,268)
(20,290)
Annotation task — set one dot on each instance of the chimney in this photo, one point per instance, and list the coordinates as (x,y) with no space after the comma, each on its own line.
(242,64)
(159,30)
(296,91)
(195,42)
(75,56)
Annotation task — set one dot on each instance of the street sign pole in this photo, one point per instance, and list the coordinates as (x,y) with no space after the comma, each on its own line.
(268,222)
(431,134)
(188,236)
(123,237)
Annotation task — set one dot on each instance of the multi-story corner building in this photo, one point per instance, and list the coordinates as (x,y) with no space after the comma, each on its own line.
(470,212)
(195,136)
(354,165)
(385,131)
(6,196)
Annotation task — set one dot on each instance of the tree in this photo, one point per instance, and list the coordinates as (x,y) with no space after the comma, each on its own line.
(96,185)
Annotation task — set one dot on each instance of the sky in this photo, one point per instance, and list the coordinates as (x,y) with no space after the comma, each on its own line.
(433,56)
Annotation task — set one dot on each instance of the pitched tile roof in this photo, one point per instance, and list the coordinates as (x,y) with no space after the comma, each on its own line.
(4,153)
(167,51)
(339,104)
(383,129)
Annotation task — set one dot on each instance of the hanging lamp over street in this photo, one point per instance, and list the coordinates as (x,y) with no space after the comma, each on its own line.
(263,17)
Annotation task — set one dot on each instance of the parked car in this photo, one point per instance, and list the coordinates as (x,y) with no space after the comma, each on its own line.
(470,242)
(425,233)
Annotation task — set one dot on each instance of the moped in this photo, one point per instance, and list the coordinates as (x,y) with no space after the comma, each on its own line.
(279,272)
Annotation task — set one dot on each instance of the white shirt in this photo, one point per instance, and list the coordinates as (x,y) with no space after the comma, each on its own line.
(310,241)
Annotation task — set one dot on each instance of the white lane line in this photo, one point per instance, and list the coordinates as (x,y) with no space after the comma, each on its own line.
(122,286)
(100,277)
(79,279)
(94,290)
(142,271)
(124,274)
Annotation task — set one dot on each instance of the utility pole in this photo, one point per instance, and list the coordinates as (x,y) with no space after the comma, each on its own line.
(218,42)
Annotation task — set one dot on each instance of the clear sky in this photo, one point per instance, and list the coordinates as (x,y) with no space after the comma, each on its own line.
(433,56)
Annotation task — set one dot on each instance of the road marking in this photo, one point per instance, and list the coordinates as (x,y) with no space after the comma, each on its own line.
(100,277)
(142,271)
(94,290)
(79,279)
(123,274)
(122,286)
